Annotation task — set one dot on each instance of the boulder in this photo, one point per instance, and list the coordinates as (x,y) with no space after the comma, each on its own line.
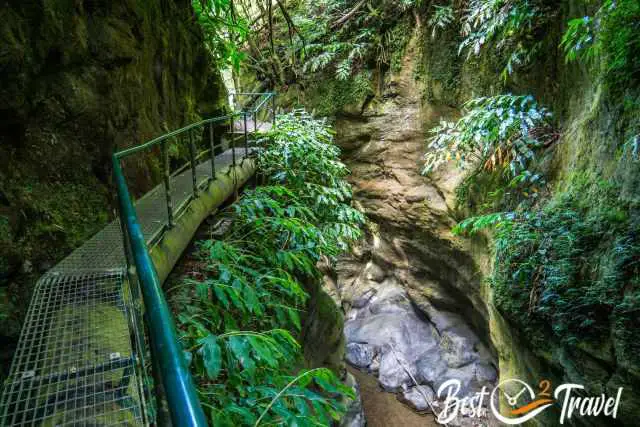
(374,272)
(363,299)
(389,337)
(392,376)
(415,398)
(360,355)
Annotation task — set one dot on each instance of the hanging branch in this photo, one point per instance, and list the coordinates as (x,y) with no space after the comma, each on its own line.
(349,14)
(292,27)
(275,59)
(270,15)
(277,65)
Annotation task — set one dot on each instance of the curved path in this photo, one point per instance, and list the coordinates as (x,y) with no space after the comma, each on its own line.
(79,360)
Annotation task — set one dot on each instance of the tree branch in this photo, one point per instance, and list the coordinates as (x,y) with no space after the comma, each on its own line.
(349,14)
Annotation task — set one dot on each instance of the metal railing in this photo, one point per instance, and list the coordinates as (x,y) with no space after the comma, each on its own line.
(166,352)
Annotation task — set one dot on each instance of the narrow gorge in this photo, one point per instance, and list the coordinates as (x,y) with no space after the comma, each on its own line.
(339,213)
(411,290)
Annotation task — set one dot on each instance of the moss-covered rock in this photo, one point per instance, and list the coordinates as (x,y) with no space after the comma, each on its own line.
(323,339)
(79,80)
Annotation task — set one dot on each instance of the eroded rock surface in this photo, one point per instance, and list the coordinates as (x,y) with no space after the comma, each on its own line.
(415,316)
(392,339)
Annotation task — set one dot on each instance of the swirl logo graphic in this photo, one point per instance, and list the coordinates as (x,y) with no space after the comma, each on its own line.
(522,400)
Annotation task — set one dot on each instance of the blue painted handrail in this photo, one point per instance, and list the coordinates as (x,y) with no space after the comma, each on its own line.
(183,402)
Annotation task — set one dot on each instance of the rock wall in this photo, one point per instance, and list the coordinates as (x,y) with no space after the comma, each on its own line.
(411,265)
(79,79)
(412,294)
(594,121)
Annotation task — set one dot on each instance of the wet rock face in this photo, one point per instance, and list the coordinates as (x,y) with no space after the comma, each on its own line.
(412,215)
(411,349)
(411,293)
(79,80)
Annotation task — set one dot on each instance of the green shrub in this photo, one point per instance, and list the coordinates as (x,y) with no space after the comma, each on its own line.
(508,27)
(571,267)
(375,34)
(441,19)
(613,34)
(224,31)
(240,314)
(333,96)
(497,133)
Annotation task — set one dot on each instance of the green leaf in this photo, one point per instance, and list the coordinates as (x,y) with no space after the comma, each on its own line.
(211,356)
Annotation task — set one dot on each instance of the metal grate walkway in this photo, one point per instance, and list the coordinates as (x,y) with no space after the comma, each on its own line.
(75,363)
(105,249)
(79,357)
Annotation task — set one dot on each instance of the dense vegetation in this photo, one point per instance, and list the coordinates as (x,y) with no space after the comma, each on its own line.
(567,259)
(241,312)
(327,49)
(497,135)
(566,253)
(611,36)
(571,267)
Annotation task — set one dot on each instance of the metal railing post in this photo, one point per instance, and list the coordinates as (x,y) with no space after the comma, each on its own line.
(255,123)
(273,109)
(213,151)
(192,155)
(246,136)
(166,351)
(233,142)
(178,384)
(128,256)
(167,183)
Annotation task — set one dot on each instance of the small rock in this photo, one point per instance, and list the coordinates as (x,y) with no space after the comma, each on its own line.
(414,397)
(458,350)
(351,313)
(392,375)
(375,273)
(390,299)
(375,365)
(486,373)
(363,299)
(354,416)
(221,227)
(466,375)
(431,367)
(360,355)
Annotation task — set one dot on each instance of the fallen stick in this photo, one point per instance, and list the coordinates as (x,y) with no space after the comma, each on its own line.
(433,411)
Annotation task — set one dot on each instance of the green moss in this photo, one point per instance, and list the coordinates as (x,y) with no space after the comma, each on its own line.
(81,80)
(323,341)
(331,97)
(440,67)
(569,269)
(6,236)
(398,38)
(62,217)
